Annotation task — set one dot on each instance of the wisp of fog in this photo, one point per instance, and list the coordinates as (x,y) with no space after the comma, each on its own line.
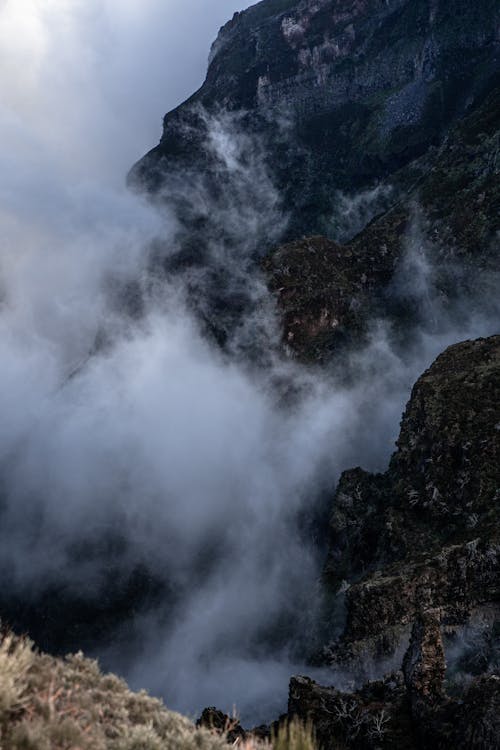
(139,426)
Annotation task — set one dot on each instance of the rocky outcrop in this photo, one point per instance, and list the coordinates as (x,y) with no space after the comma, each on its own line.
(407,713)
(424,665)
(307,109)
(376,716)
(415,554)
(415,561)
(222,724)
(230,728)
(328,293)
(426,534)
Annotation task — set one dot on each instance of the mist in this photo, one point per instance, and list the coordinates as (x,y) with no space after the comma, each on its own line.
(139,427)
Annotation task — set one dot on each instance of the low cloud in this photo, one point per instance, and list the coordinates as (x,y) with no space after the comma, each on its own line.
(135,426)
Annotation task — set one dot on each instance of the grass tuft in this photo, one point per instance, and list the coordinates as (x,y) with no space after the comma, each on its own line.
(295,736)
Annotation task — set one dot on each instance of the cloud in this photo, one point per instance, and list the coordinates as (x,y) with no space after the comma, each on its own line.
(97,77)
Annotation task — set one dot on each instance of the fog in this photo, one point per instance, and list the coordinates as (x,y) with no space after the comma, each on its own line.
(85,83)
(137,426)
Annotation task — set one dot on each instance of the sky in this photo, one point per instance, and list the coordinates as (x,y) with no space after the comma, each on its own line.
(97,76)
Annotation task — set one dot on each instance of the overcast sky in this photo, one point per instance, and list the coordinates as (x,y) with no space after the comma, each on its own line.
(100,74)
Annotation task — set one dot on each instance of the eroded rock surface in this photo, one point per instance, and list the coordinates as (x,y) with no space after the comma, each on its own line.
(404,714)
(324,107)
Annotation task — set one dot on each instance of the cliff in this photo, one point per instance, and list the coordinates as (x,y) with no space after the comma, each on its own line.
(348,124)
(414,567)
(415,552)
(342,94)
(395,102)
(329,294)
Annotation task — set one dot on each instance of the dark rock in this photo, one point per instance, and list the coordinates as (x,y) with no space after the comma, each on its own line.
(376,716)
(424,664)
(324,100)
(399,715)
(221,723)
(438,502)
(478,725)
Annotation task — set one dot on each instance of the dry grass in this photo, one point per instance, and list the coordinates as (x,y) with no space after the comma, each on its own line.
(295,736)
(56,704)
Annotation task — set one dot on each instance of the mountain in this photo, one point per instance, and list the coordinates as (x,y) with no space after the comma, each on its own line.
(344,95)
(338,174)
(445,225)
(378,122)
(346,115)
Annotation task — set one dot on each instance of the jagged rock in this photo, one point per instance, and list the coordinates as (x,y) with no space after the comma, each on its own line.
(438,502)
(410,714)
(332,98)
(327,292)
(424,664)
(378,715)
(458,580)
(231,729)
(478,725)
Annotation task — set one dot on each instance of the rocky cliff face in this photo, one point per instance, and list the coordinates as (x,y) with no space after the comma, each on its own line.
(396,103)
(347,116)
(343,94)
(398,99)
(418,548)
(442,484)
